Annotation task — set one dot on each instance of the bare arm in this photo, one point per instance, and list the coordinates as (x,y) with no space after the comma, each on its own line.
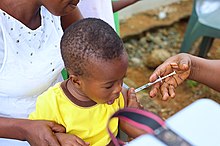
(118,5)
(205,71)
(131,101)
(71,18)
(23,129)
(16,125)
(187,67)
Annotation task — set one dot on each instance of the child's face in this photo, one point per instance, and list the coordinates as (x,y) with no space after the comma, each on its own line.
(105,82)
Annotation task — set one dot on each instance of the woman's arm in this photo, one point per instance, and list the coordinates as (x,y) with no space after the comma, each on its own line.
(67,20)
(118,5)
(35,132)
(205,71)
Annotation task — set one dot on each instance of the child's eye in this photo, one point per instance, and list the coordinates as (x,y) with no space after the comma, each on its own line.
(108,87)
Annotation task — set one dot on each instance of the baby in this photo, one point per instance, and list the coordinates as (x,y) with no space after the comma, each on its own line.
(96,61)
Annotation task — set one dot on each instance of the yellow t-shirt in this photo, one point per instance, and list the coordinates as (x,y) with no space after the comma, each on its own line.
(88,123)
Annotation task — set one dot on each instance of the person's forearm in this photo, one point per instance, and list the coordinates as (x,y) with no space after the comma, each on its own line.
(206,71)
(12,128)
(131,131)
(120,4)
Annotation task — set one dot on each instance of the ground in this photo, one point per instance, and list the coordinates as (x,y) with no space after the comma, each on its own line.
(169,36)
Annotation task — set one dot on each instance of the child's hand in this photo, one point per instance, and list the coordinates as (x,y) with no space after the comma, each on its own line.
(70,140)
(132,99)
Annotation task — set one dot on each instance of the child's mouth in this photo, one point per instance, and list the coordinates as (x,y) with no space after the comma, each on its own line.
(110,102)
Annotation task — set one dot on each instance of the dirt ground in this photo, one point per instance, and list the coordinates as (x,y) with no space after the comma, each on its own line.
(186,93)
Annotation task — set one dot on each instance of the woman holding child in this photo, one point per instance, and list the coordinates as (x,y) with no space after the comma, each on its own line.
(30,62)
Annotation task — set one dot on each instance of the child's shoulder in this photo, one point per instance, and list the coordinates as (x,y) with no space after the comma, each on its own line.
(52,91)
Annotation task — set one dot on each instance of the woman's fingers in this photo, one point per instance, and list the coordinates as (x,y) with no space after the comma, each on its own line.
(171,91)
(164,91)
(180,63)
(56,127)
(167,90)
(52,140)
(154,90)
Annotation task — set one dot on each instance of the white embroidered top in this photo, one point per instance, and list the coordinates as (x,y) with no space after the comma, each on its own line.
(101,9)
(30,62)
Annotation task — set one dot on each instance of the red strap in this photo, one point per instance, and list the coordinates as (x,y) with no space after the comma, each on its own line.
(128,115)
(149,122)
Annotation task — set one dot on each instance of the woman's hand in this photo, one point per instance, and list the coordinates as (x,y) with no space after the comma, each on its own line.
(41,133)
(70,140)
(180,63)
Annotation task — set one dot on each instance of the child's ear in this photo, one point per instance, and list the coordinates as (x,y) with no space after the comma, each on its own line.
(75,80)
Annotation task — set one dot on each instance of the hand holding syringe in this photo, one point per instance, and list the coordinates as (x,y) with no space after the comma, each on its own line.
(149,84)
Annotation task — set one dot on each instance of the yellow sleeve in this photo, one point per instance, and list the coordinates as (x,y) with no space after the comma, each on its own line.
(44,108)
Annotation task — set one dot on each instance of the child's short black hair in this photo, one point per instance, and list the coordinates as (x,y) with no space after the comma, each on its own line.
(89,38)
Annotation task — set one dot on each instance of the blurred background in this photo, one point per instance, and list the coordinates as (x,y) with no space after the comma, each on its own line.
(153,31)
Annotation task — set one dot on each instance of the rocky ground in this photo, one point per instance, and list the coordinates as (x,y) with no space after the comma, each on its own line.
(151,45)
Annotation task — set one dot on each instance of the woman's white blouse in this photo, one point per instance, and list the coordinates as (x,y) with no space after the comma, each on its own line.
(101,9)
(30,62)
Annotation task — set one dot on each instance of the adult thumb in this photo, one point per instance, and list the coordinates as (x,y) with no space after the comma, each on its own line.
(184,65)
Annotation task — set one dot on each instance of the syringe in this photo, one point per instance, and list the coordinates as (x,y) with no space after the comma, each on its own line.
(151,83)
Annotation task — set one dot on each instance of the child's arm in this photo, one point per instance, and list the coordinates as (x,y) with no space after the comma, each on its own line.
(118,5)
(130,101)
